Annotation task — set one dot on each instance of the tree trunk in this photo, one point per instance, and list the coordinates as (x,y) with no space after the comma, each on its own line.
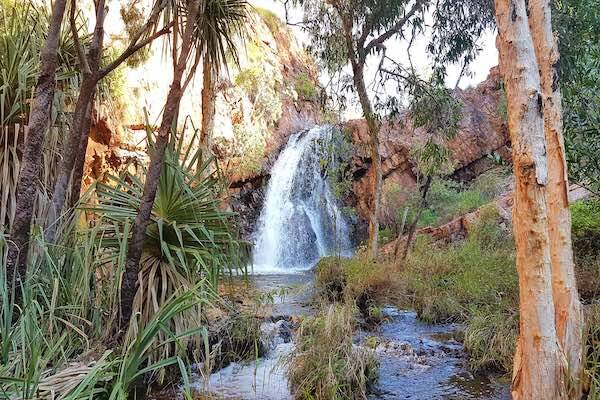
(81,119)
(16,266)
(413,226)
(538,367)
(130,277)
(80,160)
(69,154)
(208,105)
(568,317)
(376,174)
(400,233)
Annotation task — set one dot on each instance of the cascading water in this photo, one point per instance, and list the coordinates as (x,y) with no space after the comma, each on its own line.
(300,220)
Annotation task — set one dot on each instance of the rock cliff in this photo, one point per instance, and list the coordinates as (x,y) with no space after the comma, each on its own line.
(482,132)
(272,93)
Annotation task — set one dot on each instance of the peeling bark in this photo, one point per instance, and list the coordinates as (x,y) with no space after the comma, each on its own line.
(538,371)
(377,176)
(569,318)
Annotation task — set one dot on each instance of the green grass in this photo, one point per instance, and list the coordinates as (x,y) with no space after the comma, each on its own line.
(326,364)
(585,217)
(446,199)
(473,282)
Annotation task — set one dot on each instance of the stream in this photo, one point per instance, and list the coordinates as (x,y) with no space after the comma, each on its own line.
(301,222)
(417,361)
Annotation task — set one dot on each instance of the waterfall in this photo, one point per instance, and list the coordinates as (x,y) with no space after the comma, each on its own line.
(300,221)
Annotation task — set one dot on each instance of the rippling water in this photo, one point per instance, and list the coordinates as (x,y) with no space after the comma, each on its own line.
(418,361)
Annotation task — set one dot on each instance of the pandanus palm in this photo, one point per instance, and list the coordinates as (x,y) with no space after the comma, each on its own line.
(217,30)
(188,239)
(197,32)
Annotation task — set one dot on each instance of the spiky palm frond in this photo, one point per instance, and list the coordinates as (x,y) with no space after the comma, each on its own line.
(22,36)
(189,237)
(222,23)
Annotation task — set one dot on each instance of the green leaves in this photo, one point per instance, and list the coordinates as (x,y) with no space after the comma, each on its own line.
(578,26)
(218,27)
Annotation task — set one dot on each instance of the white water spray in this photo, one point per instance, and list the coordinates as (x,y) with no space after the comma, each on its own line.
(300,221)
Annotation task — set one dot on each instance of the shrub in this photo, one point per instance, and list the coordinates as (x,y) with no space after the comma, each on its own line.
(305,87)
(446,199)
(358,281)
(326,364)
(239,339)
(386,235)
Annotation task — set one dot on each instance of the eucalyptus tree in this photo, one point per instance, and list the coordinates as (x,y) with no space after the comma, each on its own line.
(39,117)
(220,25)
(92,73)
(550,335)
(350,31)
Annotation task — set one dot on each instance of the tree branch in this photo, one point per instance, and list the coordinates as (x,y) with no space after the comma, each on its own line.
(131,50)
(85,67)
(396,28)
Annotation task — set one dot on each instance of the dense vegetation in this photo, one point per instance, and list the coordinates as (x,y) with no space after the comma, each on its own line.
(117,290)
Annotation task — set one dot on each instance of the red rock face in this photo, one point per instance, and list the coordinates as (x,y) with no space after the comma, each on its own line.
(482,131)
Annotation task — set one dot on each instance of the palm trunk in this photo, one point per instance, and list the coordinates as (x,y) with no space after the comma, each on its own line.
(81,119)
(376,174)
(538,370)
(16,266)
(413,225)
(569,319)
(130,277)
(208,105)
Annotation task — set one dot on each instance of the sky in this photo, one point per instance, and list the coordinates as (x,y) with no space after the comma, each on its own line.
(479,68)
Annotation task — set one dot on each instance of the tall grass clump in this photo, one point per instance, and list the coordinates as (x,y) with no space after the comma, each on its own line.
(473,282)
(53,346)
(326,365)
(358,281)
(61,344)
